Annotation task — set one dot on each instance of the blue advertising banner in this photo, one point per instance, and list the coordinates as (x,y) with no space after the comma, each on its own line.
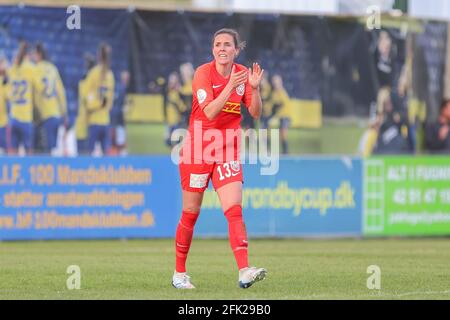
(76,198)
(307,197)
(140,197)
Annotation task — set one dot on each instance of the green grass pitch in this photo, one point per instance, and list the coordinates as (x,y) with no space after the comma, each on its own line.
(297,269)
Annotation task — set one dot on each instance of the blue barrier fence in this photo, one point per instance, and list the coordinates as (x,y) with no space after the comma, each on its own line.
(48,198)
(140,197)
(307,197)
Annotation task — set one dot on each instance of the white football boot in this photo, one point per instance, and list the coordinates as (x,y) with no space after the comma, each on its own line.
(249,276)
(181,280)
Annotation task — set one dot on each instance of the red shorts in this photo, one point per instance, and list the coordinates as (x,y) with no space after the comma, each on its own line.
(195,177)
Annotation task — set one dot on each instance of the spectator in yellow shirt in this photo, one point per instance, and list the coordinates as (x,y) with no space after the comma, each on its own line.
(280,100)
(3,106)
(22,85)
(368,140)
(187,74)
(266,97)
(81,124)
(117,115)
(100,98)
(50,98)
(175,106)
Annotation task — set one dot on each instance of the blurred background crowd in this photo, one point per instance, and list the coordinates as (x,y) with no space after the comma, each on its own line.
(122,83)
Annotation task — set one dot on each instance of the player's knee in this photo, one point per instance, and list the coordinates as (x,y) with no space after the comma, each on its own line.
(193,209)
(234,213)
(189,218)
(192,202)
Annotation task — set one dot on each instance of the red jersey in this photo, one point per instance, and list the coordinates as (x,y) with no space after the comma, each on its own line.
(204,141)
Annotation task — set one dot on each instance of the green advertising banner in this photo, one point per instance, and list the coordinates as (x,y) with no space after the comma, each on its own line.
(407,196)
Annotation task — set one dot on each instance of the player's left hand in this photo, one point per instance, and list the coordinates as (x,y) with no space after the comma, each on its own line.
(255,75)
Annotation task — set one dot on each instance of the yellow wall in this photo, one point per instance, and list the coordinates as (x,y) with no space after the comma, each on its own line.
(149,108)
(306,113)
(144,108)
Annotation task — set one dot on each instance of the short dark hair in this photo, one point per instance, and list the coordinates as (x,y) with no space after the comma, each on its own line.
(236,37)
(41,50)
(104,53)
(89,61)
(23,50)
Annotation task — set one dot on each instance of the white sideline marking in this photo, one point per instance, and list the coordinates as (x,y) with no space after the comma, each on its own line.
(414,293)
(380,294)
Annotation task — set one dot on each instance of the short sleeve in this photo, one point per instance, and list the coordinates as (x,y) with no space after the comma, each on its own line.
(202,88)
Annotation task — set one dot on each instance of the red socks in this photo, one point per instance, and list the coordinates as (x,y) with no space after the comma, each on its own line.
(236,231)
(183,239)
(238,235)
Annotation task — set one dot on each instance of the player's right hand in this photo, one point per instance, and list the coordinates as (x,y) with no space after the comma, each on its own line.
(237,78)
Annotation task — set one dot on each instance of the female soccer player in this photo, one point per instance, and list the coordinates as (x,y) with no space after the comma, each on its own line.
(22,85)
(218,89)
(100,98)
(187,75)
(3,105)
(50,98)
(81,123)
(175,106)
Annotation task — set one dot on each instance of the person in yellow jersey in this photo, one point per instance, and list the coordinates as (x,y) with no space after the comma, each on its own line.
(22,85)
(50,98)
(117,115)
(368,140)
(266,97)
(81,123)
(280,100)
(187,74)
(3,106)
(175,107)
(99,100)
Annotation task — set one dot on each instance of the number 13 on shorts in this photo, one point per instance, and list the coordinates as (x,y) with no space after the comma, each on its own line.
(227,172)
(195,177)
